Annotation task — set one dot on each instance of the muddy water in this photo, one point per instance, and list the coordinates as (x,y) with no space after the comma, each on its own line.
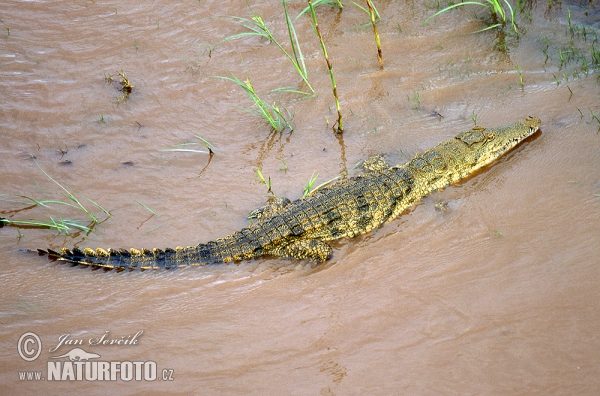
(496,294)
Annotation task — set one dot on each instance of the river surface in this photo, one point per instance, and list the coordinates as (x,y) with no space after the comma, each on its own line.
(490,286)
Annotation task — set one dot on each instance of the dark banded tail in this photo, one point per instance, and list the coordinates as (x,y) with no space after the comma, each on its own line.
(143,259)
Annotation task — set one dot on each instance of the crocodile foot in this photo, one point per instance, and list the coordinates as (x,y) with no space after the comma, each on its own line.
(304,248)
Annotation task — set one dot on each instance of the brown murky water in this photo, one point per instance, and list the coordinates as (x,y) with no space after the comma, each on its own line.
(498,294)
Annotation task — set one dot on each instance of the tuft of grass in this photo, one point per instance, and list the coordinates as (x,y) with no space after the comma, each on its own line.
(284,166)
(416,100)
(338,126)
(496,8)
(267,182)
(308,189)
(74,199)
(520,73)
(60,224)
(257,27)
(271,113)
(309,185)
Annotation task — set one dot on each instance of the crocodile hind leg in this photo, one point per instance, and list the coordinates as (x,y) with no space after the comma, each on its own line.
(304,248)
(274,206)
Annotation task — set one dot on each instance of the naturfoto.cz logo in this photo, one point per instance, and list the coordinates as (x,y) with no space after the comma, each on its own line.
(79,364)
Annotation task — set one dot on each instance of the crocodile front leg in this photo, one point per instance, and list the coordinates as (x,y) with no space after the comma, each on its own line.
(302,249)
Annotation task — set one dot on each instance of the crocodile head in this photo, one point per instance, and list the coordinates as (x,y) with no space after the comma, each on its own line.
(485,145)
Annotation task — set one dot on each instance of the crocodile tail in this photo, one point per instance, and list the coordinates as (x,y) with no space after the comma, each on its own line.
(143,259)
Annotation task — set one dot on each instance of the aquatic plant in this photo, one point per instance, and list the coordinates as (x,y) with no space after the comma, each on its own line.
(309,185)
(267,182)
(271,113)
(183,147)
(60,224)
(496,9)
(308,189)
(338,123)
(257,27)
(377,40)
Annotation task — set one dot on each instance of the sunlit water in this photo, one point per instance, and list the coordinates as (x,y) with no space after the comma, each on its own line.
(497,294)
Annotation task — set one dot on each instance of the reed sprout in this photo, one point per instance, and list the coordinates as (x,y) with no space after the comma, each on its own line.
(257,27)
(271,113)
(267,182)
(377,40)
(496,8)
(338,126)
(308,189)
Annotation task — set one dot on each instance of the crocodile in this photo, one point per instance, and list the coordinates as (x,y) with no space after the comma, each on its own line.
(344,209)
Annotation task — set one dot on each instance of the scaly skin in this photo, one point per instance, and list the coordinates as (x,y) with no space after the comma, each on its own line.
(345,209)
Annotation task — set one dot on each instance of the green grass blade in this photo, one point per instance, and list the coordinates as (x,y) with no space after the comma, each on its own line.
(308,187)
(454,6)
(326,183)
(512,17)
(106,212)
(487,28)
(62,226)
(366,10)
(71,196)
(292,90)
(294,39)
(74,224)
(207,144)
(185,151)
(299,58)
(250,24)
(318,3)
(144,206)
